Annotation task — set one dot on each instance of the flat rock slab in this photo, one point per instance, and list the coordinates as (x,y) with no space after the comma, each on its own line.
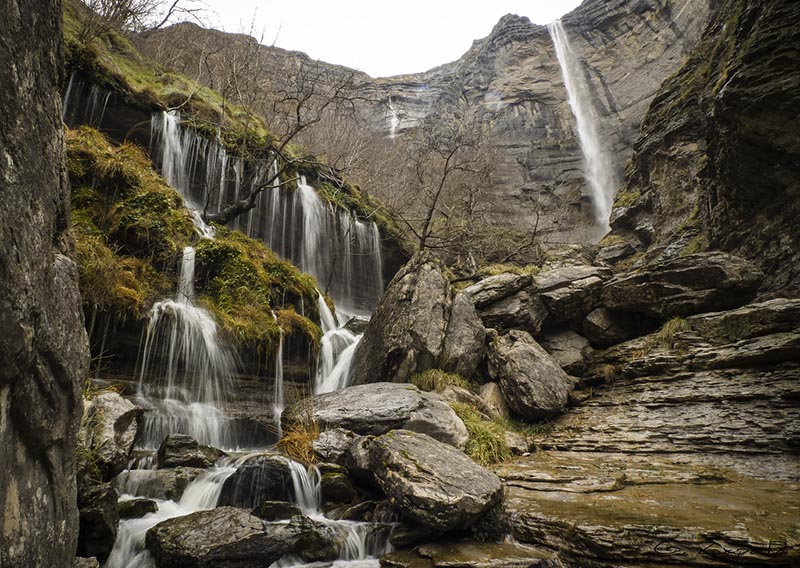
(429,482)
(495,288)
(470,554)
(377,408)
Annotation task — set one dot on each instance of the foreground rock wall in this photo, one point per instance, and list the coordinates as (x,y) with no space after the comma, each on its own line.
(43,346)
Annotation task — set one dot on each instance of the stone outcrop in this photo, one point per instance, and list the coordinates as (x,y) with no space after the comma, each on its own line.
(571,292)
(108,431)
(157,484)
(533,384)
(569,349)
(180,450)
(44,352)
(604,327)
(496,288)
(522,310)
(98,520)
(715,164)
(406,332)
(686,285)
(377,408)
(464,340)
(431,483)
(264,477)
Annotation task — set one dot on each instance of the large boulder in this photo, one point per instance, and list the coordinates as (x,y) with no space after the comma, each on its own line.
(407,329)
(495,288)
(684,286)
(377,408)
(571,292)
(99,520)
(429,482)
(569,349)
(522,310)
(492,396)
(108,431)
(263,477)
(181,450)
(533,384)
(464,341)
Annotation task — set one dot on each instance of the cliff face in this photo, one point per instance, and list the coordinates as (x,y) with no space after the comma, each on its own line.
(718,161)
(43,347)
(513,81)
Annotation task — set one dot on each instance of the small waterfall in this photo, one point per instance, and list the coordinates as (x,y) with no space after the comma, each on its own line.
(83,104)
(599,168)
(201,494)
(306,485)
(184,369)
(278,397)
(332,244)
(336,352)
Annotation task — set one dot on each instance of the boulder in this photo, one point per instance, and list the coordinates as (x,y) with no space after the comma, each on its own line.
(276,511)
(604,327)
(263,477)
(159,483)
(335,485)
(491,395)
(108,431)
(97,506)
(225,536)
(136,508)
(464,341)
(522,310)
(377,408)
(571,292)
(181,450)
(533,384)
(569,349)
(517,444)
(357,324)
(333,446)
(495,288)
(452,393)
(407,329)
(685,285)
(429,482)
(85,563)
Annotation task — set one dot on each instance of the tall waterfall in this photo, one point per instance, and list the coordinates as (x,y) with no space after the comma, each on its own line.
(332,244)
(184,369)
(599,168)
(392,119)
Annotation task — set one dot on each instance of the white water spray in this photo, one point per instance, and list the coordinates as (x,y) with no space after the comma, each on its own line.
(599,169)
(336,352)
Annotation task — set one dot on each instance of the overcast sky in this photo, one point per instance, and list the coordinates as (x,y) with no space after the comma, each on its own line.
(378,37)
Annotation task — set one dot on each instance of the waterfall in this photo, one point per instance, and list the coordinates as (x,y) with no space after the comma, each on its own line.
(278,397)
(599,168)
(201,494)
(342,251)
(184,369)
(392,118)
(336,352)
(79,107)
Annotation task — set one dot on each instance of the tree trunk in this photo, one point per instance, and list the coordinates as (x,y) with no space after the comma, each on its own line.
(43,345)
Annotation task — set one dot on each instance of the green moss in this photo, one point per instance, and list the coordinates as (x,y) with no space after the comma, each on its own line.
(611,240)
(487,441)
(243,280)
(696,244)
(627,198)
(665,337)
(437,380)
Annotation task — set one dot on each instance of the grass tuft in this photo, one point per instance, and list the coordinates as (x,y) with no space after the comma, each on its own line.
(437,380)
(487,439)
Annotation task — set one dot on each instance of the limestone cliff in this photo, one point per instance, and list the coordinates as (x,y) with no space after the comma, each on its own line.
(716,165)
(513,80)
(43,347)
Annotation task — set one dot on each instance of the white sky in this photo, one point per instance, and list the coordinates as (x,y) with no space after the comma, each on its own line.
(378,37)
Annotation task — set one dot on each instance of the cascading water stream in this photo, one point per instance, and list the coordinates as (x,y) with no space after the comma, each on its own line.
(336,352)
(599,168)
(392,119)
(278,397)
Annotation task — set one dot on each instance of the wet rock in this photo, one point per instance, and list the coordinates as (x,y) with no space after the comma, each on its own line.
(429,482)
(464,341)
(407,329)
(522,310)
(333,446)
(158,484)
(685,285)
(224,536)
(517,444)
(357,324)
(264,477)
(533,384)
(571,292)
(335,484)
(181,450)
(380,407)
(97,506)
(569,349)
(493,397)
(604,327)
(495,288)
(108,431)
(85,563)
(276,511)
(469,554)
(136,508)
(314,541)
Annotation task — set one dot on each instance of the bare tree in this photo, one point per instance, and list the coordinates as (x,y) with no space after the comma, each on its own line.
(133,16)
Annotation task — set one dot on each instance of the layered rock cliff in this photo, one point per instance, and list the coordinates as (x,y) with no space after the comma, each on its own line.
(513,81)
(43,346)
(717,162)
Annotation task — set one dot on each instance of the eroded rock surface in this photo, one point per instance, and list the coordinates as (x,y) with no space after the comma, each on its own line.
(108,431)
(181,450)
(260,478)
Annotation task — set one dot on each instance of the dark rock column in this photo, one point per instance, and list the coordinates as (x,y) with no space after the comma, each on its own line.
(43,345)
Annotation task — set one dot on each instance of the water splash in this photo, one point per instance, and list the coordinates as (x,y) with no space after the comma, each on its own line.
(599,168)
(336,352)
